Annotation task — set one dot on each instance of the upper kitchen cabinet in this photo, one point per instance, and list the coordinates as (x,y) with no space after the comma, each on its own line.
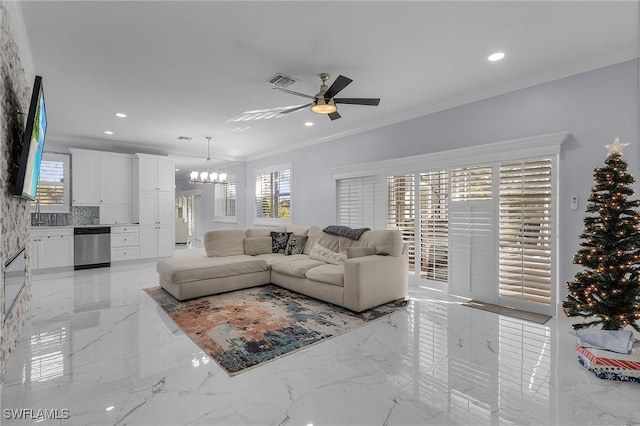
(155,173)
(100,178)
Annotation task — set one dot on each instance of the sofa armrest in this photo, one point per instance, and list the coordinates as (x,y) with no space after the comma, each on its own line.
(373,280)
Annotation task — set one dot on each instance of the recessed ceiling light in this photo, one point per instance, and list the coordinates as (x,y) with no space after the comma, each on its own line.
(121,115)
(108,132)
(177,170)
(308,124)
(496,56)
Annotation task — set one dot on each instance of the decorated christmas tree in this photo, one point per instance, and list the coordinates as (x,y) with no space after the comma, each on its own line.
(607,291)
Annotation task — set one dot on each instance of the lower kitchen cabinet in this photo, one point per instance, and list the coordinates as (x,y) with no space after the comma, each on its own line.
(51,248)
(157,241)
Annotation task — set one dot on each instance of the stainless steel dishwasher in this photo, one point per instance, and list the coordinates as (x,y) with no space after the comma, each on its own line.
(91,247)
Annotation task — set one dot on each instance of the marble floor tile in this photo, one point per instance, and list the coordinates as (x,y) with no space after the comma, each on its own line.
(96,350)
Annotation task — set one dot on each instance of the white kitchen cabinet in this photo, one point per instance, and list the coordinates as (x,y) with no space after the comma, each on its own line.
(155,173)
(157,241)
(51,248)
(154,205)
(84,178)
(115,179)
(103,179)
(114,214)
(124,243)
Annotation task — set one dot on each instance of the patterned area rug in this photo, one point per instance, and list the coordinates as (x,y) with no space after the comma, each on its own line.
(244,328)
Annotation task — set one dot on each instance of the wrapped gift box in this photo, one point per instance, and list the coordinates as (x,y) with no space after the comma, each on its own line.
(610,365)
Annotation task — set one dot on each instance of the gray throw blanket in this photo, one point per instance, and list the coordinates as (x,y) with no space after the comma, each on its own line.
(345,231)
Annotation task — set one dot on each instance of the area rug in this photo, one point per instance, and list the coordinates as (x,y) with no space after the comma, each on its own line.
(245,328)
(511,312)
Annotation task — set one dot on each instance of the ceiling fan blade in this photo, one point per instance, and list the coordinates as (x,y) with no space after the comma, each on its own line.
(358,101)
(340,83)
(294,93)
(334,115)
(294,109)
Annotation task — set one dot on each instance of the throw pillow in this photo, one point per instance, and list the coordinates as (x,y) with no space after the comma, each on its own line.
(279,241)
(257,245)
(360,251)
(295,245)
(318,252)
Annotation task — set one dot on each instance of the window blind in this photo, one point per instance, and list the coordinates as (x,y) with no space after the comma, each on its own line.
(525,231)
(434,225)
(361,201)
(471,183)
(51,184)
(401,210)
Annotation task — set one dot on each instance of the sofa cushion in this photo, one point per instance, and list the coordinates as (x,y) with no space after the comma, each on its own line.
(331,242)
(271,258)
(330,274)
(179,270)
(296,265)
(295,244)
(323,254)
(264,232)
(297,229)
(385,241)
(257,245)
(314,234)
(360,251)
(224,242)
(279,241)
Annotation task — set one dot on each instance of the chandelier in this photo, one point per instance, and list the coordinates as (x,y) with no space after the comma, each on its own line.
(206,173)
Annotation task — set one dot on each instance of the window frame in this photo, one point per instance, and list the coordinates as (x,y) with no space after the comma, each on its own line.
(65,159)
(271,221)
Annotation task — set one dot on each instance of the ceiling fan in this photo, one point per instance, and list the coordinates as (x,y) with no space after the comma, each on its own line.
(324,102)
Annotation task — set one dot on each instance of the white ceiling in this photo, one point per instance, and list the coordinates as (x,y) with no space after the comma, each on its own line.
(199,69)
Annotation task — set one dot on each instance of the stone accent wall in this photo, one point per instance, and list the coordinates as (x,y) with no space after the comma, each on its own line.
(15,92)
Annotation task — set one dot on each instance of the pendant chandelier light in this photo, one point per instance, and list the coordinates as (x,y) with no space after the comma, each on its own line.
(206,174)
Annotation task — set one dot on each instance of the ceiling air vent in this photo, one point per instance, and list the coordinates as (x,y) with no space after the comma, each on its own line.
(281,80)
(184,138)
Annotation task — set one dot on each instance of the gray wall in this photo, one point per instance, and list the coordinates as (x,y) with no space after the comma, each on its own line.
(594,107)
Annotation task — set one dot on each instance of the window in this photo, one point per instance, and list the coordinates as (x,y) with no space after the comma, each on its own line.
(225,201)
(471,183)
(525,231)
(273,195)
(434,225)
(53,184)
(401,210)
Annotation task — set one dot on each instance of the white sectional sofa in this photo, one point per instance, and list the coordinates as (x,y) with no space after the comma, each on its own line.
(362,273)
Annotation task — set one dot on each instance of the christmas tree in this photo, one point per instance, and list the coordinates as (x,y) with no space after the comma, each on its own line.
(607,291)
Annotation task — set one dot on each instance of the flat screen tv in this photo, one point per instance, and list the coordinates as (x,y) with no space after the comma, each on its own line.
(32,144)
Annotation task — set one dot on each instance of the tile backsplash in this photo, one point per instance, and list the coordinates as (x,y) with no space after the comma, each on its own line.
(83,215)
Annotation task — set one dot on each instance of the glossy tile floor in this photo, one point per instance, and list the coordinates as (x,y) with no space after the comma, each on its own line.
(98,346)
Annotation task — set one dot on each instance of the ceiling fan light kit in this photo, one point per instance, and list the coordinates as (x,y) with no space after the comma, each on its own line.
(207,173)
(324,102)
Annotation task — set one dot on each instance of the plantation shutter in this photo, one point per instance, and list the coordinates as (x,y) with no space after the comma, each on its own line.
(264,201)
(51,184)
(225,198)
(472,240)
(361,202)
(434,225)
(525,231)
(401,210)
